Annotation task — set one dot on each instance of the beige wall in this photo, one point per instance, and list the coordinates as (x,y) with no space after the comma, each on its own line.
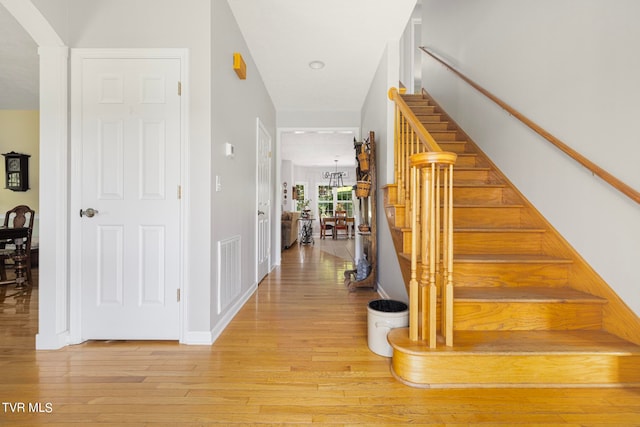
(19,132)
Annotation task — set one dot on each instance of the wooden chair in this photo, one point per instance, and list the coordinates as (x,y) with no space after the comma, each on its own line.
(324,226)
(18,217)
(340,224)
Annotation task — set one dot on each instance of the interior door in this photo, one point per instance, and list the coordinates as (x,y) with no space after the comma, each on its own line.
(130,217)
(263,241)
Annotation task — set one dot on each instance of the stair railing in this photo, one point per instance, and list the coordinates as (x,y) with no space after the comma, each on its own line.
(424,176)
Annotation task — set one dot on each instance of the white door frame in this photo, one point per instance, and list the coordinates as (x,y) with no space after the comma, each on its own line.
(261,127)
(77,56)
(53,309)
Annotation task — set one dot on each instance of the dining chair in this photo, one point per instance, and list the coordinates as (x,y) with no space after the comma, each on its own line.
(20,216)
(325,226)
(340,224)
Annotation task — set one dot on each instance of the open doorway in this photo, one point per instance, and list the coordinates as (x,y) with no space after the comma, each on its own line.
(308,157)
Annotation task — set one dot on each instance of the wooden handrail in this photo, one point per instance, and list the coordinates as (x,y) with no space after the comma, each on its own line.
(592,167)
(413,121)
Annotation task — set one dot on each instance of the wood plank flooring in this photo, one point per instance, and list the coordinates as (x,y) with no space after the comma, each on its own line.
(296,354)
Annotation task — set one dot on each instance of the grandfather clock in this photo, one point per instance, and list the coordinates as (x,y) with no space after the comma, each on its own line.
(17,171)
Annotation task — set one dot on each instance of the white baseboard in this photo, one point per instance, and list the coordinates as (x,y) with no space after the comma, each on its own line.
(52,342)
(382,292)
(209,337)
(198,338)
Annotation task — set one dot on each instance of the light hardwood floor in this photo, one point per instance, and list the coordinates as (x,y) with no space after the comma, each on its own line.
(296,353)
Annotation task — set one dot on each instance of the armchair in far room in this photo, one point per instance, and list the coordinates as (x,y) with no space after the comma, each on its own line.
(289,228)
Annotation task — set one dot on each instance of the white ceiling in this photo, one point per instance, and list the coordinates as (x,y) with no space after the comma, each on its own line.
(283,36)
(318,147)
(349,36)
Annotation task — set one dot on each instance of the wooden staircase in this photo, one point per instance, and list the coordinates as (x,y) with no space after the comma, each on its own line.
(527,309)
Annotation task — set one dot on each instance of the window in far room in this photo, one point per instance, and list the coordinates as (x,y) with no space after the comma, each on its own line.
(300,194)
(331,200)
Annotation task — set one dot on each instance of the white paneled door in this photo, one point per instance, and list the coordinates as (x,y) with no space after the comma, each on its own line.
(263,241)
(130,216)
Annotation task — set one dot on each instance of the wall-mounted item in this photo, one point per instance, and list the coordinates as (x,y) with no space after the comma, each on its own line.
(365,275)
(17,171)
(239,66)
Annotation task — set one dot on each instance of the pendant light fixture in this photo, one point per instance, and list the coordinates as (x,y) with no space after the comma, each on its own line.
(335,179)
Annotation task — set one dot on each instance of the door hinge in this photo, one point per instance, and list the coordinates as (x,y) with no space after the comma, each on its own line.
(178,295)
(179,192)
(179,88)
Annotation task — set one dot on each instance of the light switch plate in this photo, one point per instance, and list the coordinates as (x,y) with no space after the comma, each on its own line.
(229,150)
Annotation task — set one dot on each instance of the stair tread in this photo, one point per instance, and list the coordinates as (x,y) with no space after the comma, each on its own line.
(551,342)
(479,185)
(525,294)
(498,230)
(487,205)
(472,168)
(472,205)
(489,229)
(502,259)
(509,258)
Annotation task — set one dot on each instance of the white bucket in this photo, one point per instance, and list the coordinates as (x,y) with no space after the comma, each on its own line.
(382,316)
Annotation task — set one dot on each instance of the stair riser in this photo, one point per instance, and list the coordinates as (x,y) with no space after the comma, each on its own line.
(526,316)
(435,126)
(413,100)
(429,117)
(466,161)
(444,135)
(455,147)
(529,243)
(497,243)
(522,274)
(483,195)
(422,109)
(510,369)
(390,195)
(398,216)
(465,217)
(464,176)
(487,217)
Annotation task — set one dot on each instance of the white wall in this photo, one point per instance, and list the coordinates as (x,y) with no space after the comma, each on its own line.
(56,14)
(378,116)
(236,104)
(572,67)
(286,175)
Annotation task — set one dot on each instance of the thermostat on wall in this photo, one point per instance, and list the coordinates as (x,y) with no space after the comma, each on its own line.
(229,150)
